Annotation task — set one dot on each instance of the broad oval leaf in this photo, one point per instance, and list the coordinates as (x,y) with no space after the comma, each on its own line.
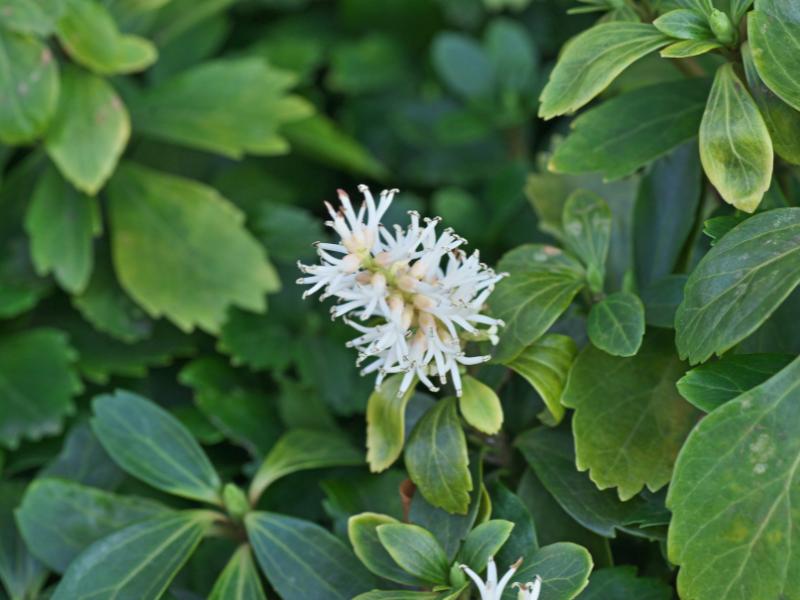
(416,551)
(735,147)
(89,132)
(782,120)
(628,131)
(545,365)
(711,385)
(592,60)
(463,65)
(37,384)
(616,324)
(436,458)
(362,530)
(59,519)
(239,580)
(629,420)
(302,449)
(564,568)
(684,24)
(480,406)
(138,562)
(774,34)
(386,418)
(28,88)
(22,575)
(231,107)
(735,526)
(739,284)
(152,445)
(90,36)
(303,560)
(541,284)
(163,227)
(62,223)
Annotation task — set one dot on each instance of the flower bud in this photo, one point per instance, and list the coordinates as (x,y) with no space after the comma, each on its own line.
(722,27)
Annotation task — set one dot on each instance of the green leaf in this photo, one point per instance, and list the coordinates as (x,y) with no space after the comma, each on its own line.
(480,406)
(436,458)
(83,460)
(28,88)
(587,233)
(684,24)
(362,530)
(484,542)
(239,580)
(622,583)
(37,384)
(401,595)
(230,107)
(89,132)
(163,229)
(233,404)
(689,48)
(629,420)
(88,33)
(739,284)
(303,560)
(711,385)
(735,147)
(463,65)
(152,445)
(661,300)
(105,305)
(592,60)
(665,212)
(320,138)
(551,454)
(734,527)
(61,223)
(136,562)
(782,120)
(563,567)
(299,450)
(374,63)
(774,34)
(386,423)
(21,574)
(416,551)
(59,519)
(512,54)
(523,538)
(254,340)
(541,285)
(616,324)
(545,365)
(628,131)
(36,17)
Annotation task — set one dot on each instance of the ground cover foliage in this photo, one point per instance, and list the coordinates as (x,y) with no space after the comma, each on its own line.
(176,422)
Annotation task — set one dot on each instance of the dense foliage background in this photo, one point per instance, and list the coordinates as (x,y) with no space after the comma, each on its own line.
(175,422)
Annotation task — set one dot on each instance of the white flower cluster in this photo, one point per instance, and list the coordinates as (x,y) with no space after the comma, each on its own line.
(417,295)
(491,589)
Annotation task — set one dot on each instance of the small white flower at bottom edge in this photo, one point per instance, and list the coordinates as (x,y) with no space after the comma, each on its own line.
(492,589)
(530,590)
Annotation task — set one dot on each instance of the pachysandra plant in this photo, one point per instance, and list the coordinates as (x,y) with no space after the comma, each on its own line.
(601,403)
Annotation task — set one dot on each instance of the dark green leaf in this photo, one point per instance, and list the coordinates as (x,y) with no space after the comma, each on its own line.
(627,132)
(59,519)
(463,65)
(739,284)
(21,574)
(711,385)
(684,24)
(774,33)
(416,551)
(239,580)
(83,460)
(541,284)
(37,384)
(592,60)
(362,530)
(152,445)
(300,450)
(136,562)
(734,527)
(436,458)
(616,324)
(661,300)
(563,567)
(303,560)
(621,583)
(483,542)
(587,233)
